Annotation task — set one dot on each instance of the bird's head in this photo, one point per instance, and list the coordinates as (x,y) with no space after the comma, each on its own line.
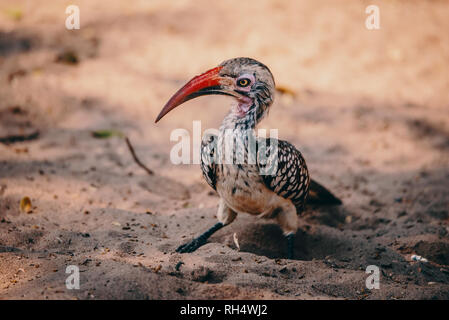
(247,80)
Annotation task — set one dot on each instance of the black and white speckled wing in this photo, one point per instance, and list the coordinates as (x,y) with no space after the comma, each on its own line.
(286,175)
(208,159)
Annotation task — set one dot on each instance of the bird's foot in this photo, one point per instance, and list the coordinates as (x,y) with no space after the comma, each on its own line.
(201,240)
(191,245)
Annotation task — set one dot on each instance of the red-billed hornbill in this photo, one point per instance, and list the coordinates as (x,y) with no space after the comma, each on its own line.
(244,186)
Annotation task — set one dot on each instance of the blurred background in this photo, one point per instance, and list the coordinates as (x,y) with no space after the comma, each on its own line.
(332,73)
(369,109)
(133,54)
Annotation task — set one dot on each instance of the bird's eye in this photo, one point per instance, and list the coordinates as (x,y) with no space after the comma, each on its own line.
(243,82)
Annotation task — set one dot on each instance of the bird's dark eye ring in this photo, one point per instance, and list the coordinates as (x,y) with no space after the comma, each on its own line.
(244,82)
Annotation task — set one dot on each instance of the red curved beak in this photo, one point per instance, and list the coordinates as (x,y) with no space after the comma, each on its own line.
(206,83)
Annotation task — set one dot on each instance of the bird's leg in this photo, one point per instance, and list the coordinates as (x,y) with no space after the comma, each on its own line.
(225,216)
(288,220)
(198,242)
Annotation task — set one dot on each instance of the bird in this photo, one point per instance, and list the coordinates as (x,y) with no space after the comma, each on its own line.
(265,177)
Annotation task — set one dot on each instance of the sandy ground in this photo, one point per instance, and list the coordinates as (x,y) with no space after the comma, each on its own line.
(368,109)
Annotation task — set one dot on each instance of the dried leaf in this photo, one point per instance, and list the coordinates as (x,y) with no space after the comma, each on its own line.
(15,14)
(157,269)
(2,189)
(186,205)
(286,90)
(16,74)
(25,205)
(67,57)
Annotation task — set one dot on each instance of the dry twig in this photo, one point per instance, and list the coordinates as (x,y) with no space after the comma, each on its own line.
(133,153)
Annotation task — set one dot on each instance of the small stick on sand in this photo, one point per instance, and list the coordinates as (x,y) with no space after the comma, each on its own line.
(139,163)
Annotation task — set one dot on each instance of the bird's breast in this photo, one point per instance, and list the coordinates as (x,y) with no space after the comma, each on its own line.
(243,190)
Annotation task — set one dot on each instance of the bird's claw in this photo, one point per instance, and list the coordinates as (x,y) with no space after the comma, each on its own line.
(191,246)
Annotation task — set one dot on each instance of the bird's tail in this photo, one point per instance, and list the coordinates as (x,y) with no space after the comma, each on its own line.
(320,195)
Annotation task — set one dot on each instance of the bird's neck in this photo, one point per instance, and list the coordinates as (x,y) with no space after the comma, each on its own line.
(234,137)
(237,131)
(236,121)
